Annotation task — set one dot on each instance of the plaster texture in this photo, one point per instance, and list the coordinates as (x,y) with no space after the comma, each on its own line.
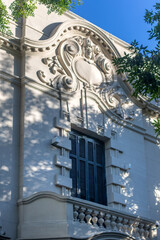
(56,75)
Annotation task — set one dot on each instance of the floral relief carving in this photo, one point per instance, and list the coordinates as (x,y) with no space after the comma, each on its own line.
(79,59)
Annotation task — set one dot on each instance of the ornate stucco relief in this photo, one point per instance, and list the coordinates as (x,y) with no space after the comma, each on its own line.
(78,60)
(103,41)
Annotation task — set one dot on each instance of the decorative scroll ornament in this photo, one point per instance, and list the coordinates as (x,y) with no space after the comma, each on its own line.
(117,100)
(60,80)
(78,58)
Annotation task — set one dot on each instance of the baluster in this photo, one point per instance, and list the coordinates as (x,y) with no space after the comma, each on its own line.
(94,217)
(81,214)
(75,213)
(146,231)
(119,224)
(130,227)
(125,225)
(107,222)
(88,216)
(152,231)
(100,219)
(141,230)
(113,223)
(136,230)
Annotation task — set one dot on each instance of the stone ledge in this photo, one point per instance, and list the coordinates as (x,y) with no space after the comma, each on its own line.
(61,142)
(62,161)
(63,124)
(63,181)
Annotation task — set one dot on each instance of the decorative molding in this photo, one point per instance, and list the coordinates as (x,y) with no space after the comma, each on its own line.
(84,218)
(62,124)
(113,179)
(9,43)
(48,90)
(113,161)
(61,142)
(112,222)
(63,161)
(77,59)
(83,203)
(116,171)
(76,27)
(63,181)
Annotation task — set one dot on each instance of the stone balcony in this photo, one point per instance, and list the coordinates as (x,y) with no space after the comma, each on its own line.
(52,216)
(107,220)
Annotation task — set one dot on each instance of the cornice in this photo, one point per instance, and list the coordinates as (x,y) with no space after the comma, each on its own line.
(71,28)
(9,43)
(140,101)
(76,26)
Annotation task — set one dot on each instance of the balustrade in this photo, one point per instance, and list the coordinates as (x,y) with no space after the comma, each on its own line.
(140,229)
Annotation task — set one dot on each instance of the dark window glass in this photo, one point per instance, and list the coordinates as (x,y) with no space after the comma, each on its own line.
(82,180)
(91,183)
(99,185)
(74,177)
(73,144)
(82,147)
(87,168)
(90,151)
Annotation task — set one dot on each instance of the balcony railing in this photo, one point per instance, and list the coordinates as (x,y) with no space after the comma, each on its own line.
(78,219)
(115,221)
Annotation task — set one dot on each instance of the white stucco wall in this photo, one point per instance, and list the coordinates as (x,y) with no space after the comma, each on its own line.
(27,158)
(9,148)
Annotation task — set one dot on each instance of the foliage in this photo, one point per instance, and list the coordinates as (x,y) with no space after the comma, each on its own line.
(4,19)
(156,124)
(59,6)
(25,8)
(142,66)
(22,9)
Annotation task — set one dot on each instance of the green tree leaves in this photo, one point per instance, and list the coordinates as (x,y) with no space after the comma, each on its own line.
(4,19)
(22,9)
(142,66)
(143,71)
(153,18)
(25,8)
(59,6)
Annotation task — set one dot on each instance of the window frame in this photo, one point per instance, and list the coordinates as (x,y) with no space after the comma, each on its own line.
(99,196)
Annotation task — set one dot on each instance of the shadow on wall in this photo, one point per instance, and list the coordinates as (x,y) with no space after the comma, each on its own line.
(39,169)
(9,158)
(48,30)
(135,156)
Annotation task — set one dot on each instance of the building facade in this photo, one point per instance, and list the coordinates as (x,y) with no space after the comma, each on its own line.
(79,156)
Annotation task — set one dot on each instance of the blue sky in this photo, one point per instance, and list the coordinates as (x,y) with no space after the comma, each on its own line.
(122,18)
